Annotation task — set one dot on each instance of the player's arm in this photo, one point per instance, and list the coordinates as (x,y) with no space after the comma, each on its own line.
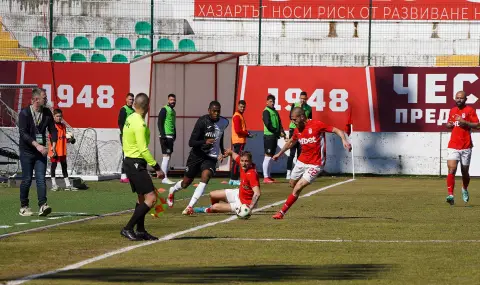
(237,125)
(310,116)
(282,131)
(139,132)
(256,196)
(162,115)
(288,145)
(197,138)
(53,132)
(450,122)
(341,134)
(23,130)
(234,155)
(474,124)
(122,116)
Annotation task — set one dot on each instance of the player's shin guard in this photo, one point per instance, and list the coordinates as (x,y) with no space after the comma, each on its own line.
(164,166)
(290,201)
(197,194)
(450,183)
(466,181)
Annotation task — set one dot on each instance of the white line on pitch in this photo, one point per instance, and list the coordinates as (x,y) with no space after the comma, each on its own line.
(164,238)
(348,240)
(66,223)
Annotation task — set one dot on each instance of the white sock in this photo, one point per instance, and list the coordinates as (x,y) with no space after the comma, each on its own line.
(176,187)
(289,172)
(197,194)
(124,176)
(266,162)
(67,182)
(54,182)
(270,167)
(164,166)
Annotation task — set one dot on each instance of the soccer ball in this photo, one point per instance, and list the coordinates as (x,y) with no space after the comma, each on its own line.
(69,135)
(243,212)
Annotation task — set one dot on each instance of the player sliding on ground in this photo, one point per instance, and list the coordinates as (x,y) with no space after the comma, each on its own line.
(309,133)
(461,120)
(229,200)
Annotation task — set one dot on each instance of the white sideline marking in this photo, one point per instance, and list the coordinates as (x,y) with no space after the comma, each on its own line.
(37,221)
(69,222)
(164,238)
(5,227)
(348,240)
(20,224)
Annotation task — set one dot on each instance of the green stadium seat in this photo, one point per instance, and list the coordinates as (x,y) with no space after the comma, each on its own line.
(78,57)
(165,45)
(61,42)
(59,57)
(123,44)
(143,44)
(40,42)
(119,58)
(142,28)
(98,58)
(81,43)
(137,56)
(102,43)
(186,45)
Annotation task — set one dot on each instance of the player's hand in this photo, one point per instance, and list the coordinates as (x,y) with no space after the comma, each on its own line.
(55,155)
(160,174)
(282,135)
(347,146)
(220,157)
(449,124)
(462,122)
(275,157)
(210,141)
(228,152)
(43,150)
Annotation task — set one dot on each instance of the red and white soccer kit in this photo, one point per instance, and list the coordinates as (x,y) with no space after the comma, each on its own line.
(244,194)
(312,159)
(460,144)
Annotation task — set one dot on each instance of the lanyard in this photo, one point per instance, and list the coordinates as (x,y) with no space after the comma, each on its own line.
(36,119)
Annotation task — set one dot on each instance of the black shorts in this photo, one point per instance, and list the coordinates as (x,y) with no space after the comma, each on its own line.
(167,145)
(198,163)
(270,144)
(136,171)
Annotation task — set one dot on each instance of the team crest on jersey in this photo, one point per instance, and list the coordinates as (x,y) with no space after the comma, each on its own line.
(310,130)
(463,115)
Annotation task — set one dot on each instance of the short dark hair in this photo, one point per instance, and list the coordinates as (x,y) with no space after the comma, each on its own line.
(242,102)
(142,101)
(130,95)
(303,93)
(247,154)
(171,95)
(57,111)
(213,104)
(270,97)
(37,91)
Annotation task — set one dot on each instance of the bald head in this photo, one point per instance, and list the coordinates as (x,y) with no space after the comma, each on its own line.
(461,94)
(141,102)
(460,99)
(297,111)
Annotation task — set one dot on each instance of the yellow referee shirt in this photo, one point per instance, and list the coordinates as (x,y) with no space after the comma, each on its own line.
(136,137)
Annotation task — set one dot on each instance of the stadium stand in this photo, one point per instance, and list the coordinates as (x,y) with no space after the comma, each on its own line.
(40,42)
(165,44)
(119,58)
(59,57)
(81,43)
(10,48)
(123,44)
(78,57)
(186,45)
(103,43)
(61,42)
(98,58)
(142,44)
(142,28)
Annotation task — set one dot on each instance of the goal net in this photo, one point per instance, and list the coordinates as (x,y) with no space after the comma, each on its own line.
(88,158)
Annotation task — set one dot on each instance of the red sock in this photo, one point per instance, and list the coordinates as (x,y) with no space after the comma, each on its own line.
(290,200)
(466,181)
(208,210)
(450,183)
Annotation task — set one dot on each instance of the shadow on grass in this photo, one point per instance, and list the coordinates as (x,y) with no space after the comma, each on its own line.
(224,274)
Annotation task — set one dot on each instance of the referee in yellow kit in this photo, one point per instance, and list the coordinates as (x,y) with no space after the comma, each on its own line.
(136,137)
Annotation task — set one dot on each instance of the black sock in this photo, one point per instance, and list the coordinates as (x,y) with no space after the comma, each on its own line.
(140,222)
(139,213)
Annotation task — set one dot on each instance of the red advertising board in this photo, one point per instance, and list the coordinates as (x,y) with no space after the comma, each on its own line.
(333,93)
(90,94)
(395,10)
(418,99)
